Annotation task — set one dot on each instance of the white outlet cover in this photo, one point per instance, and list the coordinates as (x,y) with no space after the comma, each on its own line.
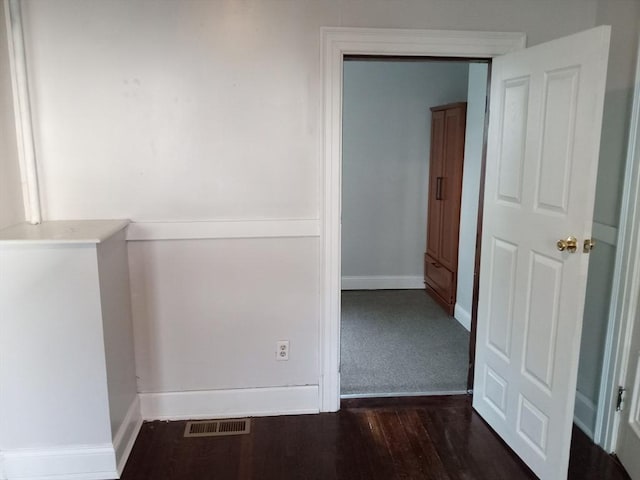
(282,350)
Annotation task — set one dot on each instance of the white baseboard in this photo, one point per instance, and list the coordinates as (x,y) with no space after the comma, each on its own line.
(380,282)
(126,435)
(245,402)
(462,316)
(81,462)
(584,414)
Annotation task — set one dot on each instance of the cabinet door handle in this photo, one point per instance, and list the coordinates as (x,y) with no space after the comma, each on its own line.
(435,264)
(438,188)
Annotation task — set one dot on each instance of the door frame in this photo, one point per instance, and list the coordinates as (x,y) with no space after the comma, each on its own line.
(336,42)
(623,309)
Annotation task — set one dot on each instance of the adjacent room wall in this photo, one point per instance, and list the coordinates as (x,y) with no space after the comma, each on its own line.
(11,202)
(473,146)
(624,17)
(195,113)
(385,170)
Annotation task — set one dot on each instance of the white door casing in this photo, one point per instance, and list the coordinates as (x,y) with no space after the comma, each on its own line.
(543,146)
(624,309)
(336,43)
(621,430)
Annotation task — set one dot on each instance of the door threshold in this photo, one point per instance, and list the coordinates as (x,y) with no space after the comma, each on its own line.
(347,396)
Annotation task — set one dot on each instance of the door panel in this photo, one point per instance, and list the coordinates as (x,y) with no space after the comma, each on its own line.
(560,103)
(542,156)
(502,293)
(512,139)
(541,320)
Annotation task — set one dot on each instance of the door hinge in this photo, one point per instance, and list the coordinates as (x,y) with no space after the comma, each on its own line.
(621,391)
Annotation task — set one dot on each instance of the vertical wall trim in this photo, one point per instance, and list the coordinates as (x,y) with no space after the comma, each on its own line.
(22,110)
(626,284)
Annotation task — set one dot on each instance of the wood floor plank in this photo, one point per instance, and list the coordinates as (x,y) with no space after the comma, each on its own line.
(405,464)
(422,445)
(590,462)
(436,438)
(356,457)
(375,442)
(467,446)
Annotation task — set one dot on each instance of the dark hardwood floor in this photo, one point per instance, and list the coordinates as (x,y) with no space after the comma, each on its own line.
(410,438)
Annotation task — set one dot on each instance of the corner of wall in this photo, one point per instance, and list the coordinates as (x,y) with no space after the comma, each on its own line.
(126,435)
(584,414)
(462,316)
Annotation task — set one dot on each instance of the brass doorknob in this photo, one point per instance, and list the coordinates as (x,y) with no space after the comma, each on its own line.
(589,244)
(569,243)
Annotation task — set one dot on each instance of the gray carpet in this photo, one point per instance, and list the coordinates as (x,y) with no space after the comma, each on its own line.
(400,341)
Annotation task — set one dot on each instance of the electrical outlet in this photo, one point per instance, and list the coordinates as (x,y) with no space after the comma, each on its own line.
(282,350)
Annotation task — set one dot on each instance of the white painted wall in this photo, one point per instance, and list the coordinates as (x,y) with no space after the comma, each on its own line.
(624,16)
(49,399)
(385,145)
(198,110)
(115,305)
(209,313)
(594,329)
(181,111)
(11,203)
(473,146)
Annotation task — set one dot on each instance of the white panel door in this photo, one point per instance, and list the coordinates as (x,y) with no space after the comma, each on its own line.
(542,157)
(628,446)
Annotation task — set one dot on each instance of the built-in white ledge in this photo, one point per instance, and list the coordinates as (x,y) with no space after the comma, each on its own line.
(69,406)
(62,231)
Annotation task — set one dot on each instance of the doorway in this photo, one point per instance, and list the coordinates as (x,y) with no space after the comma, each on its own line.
(396,339)
(337,43)
(591,46)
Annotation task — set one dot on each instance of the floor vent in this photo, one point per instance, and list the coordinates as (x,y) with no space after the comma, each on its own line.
(217,428)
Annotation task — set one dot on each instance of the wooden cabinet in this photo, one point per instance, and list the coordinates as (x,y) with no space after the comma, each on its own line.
(443,214)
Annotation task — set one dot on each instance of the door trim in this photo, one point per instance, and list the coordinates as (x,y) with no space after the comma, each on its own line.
(623,308)
(476,269)
(336,42)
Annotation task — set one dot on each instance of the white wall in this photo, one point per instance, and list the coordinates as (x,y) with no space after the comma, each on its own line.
(624,17)
(115,303)
(11,204)
(181,111)
(68,400)
(207,110)
(385,166)
(208,313)
(473,145)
